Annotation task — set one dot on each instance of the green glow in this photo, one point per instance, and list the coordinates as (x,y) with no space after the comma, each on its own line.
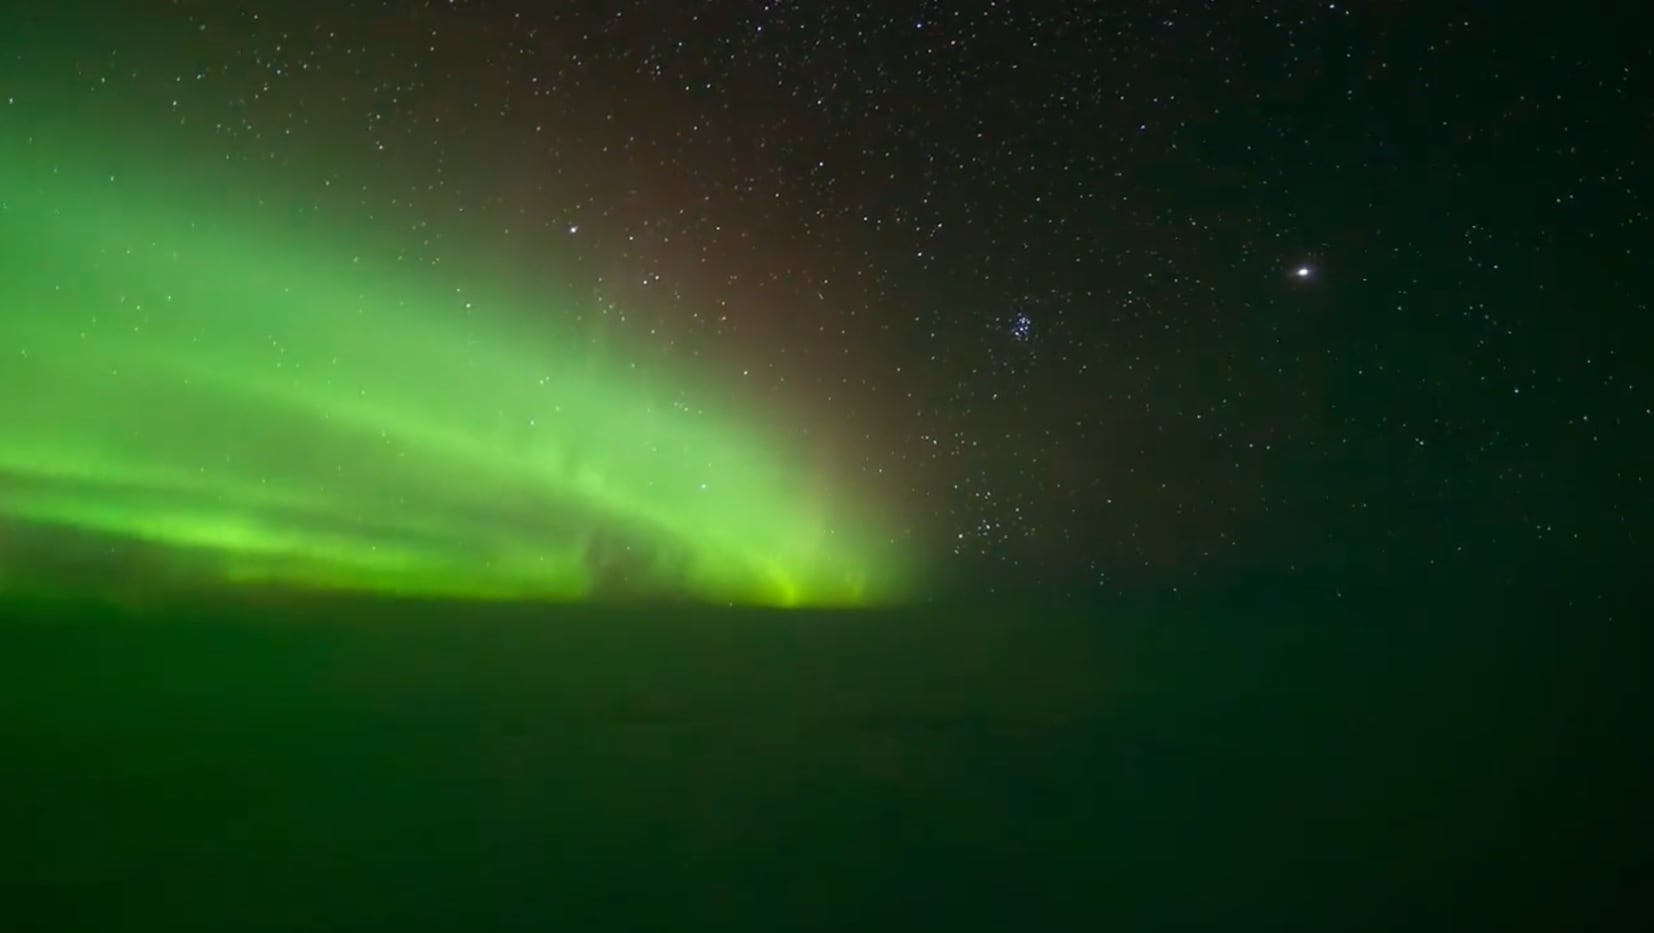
(276,404)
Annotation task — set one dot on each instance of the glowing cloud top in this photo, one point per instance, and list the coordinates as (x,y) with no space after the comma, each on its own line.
(265,406)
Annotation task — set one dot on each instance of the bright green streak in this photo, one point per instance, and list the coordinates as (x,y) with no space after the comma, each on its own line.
(278,408)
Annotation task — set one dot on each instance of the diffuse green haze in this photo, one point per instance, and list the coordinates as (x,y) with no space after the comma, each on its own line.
(284,408)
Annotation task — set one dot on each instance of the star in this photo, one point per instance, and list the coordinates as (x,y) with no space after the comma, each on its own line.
(1303,272)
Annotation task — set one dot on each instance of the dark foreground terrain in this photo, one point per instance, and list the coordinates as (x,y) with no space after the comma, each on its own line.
(1158,766)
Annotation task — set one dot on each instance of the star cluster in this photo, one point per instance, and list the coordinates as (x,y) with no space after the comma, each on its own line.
(1082,292)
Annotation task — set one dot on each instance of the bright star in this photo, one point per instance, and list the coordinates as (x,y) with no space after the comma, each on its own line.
(1303,272)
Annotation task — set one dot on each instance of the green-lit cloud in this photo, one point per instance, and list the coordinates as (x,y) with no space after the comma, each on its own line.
(278,406)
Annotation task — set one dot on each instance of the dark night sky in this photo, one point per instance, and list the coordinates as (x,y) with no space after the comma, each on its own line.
(1029,269)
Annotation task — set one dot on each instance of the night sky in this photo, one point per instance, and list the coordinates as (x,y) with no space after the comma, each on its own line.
(1061,295)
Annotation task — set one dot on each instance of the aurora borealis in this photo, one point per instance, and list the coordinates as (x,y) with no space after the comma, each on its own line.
(474,298)
(271,405)
(626,464)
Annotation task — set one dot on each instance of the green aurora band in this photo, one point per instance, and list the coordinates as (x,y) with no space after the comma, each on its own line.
(261,402)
